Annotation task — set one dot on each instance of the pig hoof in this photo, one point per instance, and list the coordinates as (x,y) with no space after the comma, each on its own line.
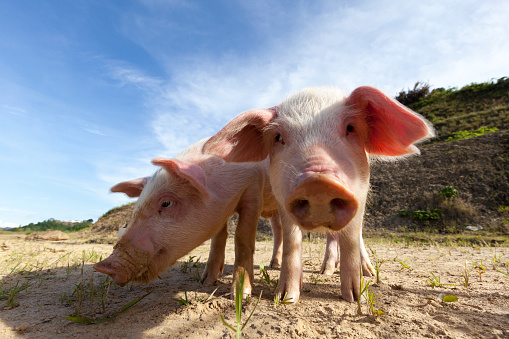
(274,263)
(327,269)
(288,297)
(348,297)
(245,294)
(367,269)
(208,281)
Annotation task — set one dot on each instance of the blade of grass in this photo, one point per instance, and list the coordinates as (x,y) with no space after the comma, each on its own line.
(254,308)
(84,320)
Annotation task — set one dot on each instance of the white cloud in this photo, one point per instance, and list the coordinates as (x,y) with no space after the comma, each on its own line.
(6,224)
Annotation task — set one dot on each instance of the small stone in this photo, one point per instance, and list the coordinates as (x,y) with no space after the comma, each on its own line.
(25,327)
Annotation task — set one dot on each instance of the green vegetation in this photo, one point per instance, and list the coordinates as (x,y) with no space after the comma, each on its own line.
(53,225)
(369,297)
(11,294)
(435,281)
(466,134)
(449,192)
(239,288)
(474,108)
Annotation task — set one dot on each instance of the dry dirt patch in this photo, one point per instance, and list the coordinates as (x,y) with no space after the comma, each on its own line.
(52,272)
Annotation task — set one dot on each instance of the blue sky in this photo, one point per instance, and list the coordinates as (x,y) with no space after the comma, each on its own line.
(91,91)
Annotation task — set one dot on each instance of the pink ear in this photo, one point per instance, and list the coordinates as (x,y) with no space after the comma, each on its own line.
(242,139)
(191,172)
(392,127)
(132,188)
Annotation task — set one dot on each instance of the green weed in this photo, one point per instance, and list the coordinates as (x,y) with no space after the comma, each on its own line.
(101,320)
(184,301)
(370,297)
(265,277)
(466,276)
(435,281)
(239,287)
(11,295)
(278,301)
(480,270)
(403,266)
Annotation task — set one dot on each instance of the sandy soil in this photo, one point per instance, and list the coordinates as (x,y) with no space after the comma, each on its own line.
(56,288)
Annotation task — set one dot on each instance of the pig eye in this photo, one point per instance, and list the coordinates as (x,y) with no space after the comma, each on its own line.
(167,203)
(279,138)
(349,129)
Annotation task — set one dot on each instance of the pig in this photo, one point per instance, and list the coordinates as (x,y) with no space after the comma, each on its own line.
(320,143)
(186,202)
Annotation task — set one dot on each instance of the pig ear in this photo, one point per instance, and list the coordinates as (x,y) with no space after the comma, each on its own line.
(242,139)
(193,173)
(132,188)
(392,127)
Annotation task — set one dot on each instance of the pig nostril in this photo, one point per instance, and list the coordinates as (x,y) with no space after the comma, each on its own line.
(338,204)
(300,207)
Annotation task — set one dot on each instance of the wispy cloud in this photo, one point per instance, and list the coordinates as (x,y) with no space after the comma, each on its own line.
(128,75)
(94,131)
(13,110)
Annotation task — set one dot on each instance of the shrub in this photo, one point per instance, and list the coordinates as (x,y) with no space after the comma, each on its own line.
(420,91)
(442,211)
(449,192)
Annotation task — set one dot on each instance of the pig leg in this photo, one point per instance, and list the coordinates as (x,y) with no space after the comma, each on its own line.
(330,260)
(367,269)
(277,231)
(350,261)
(290,279)
(215,264)
(249,210)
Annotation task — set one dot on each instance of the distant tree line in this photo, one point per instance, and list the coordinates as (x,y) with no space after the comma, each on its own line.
(53,225)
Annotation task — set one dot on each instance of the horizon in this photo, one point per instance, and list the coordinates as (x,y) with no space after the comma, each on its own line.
(91,91)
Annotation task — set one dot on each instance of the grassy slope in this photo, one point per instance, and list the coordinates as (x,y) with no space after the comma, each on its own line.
(469,108)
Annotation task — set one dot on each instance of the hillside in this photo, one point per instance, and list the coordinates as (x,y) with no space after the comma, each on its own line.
(114,219)
(478,168)
(469,108)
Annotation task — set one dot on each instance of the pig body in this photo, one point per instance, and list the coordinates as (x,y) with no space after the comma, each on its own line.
(186,202)
(320,143)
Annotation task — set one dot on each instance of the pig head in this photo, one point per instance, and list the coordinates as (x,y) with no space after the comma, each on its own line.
(176,194)
(320,143)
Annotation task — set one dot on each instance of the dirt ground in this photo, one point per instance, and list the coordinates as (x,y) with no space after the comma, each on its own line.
(42,282)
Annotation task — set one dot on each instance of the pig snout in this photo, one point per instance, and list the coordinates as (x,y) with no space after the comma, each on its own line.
(320,200)
(118,273)
(126,263)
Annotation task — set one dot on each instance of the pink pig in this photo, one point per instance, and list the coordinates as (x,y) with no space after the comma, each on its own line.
(186,202)
(320,143)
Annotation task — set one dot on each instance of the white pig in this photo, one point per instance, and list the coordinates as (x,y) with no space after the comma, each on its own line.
(320,143)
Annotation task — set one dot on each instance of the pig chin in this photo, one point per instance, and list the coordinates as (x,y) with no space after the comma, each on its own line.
(159,263)
(322,201)
(126,263)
